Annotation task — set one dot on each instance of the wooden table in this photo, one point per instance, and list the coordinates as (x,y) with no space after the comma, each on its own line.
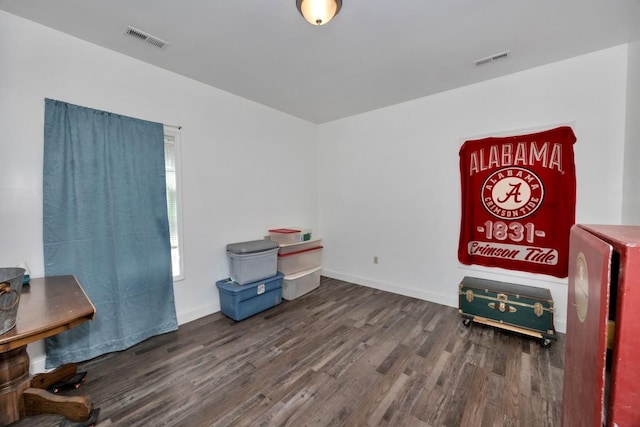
(48,306)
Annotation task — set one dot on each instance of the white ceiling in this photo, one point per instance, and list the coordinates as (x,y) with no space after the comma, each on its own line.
(374,53)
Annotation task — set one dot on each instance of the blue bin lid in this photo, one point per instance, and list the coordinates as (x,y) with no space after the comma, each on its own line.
(248,290)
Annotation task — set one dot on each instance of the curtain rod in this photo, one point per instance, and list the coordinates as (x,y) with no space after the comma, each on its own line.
(173,126)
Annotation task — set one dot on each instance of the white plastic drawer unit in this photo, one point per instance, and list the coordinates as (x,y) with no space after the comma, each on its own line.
(301,283)
(305,259)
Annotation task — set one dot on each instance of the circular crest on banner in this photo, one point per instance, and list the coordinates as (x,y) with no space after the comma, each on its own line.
(512,193)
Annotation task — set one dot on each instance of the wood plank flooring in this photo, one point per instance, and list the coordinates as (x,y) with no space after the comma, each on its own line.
(342,355)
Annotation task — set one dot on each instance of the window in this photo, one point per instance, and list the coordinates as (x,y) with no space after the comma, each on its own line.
(172,168)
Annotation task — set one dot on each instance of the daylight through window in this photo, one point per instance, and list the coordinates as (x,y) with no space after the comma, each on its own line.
(173,200)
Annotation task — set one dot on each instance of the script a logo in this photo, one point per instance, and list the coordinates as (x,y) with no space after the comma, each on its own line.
(512,193)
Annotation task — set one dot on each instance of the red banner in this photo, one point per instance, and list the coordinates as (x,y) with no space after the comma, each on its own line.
(518,201)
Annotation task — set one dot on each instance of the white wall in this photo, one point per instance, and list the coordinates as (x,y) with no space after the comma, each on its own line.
(390,184)
(245,168)
(631,201)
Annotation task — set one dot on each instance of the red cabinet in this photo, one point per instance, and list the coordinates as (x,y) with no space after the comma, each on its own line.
(602,355)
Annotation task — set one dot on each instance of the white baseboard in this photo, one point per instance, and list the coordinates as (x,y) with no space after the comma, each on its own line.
(449,300)
(37,364)
(194,314)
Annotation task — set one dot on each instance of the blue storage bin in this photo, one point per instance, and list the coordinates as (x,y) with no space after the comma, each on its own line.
(241,301)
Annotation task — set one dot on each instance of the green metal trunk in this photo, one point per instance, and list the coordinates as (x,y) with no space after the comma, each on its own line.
(519,308)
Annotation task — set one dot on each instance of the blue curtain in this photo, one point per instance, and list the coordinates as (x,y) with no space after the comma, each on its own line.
(105,221)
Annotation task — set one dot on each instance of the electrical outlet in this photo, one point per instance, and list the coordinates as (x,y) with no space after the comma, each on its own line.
(375,259)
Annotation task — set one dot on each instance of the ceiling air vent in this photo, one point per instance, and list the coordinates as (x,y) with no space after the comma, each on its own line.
(141,35)
(492,58)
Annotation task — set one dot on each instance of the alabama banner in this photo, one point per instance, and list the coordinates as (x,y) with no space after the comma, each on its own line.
(518,201)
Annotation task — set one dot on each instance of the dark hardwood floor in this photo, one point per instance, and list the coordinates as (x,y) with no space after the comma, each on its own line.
(343,355)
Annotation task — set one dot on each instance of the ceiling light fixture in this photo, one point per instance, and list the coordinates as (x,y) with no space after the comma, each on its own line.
(318,12)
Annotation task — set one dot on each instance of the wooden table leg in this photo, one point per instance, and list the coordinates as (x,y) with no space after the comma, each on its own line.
(14,379)
(47,379)
(23,396)
(37,401)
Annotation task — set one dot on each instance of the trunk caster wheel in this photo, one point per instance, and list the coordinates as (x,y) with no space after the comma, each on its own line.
(546,343)
(466,322)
